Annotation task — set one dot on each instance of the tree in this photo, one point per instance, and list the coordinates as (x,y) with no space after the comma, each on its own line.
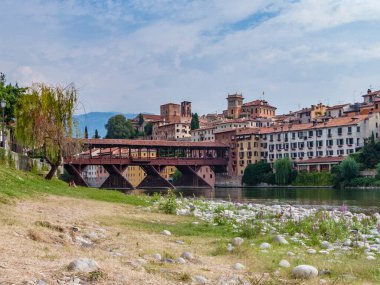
(148,128)
(96,136)
(141,119)
(119,128)
(283,171)
(10,93)
(349,169)
(44,119)
(194,122)
(85,132)
(257,173)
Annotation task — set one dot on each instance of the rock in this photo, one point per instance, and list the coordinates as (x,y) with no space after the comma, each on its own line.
(322,281)
(41,282)
(83,265)
(239,266)
(347,242)
(138,262)
(323,252)
(179,242)
(195,223)
(265,245)
(157,256)
(370,257)
(187,255)
(284,263)
(230,247)
(180,260)
(280,240)
(305,272)
(289,253)
(237,241)
(199,279)
(311,251)
(324,272)
(166,233)
(84,242)
(325,245)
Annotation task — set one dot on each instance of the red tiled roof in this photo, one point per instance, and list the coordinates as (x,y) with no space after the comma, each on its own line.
(372,93)
(342,121)
(148,143)
(318,160)
(258,103)
(248,131)
(337,107)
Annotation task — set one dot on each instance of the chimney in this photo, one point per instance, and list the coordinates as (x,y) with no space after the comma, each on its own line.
(369,91)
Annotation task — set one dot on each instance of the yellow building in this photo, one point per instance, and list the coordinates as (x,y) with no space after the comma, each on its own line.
(135,174)
(248,149)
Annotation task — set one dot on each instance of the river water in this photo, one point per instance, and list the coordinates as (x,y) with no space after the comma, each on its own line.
(354,199)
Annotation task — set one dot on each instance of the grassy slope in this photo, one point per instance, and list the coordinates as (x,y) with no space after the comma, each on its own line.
(19,184)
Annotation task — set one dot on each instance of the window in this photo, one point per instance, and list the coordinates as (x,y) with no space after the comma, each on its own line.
(310,144)
(301,154)
(278,137)
(330,142)
(349,130)
(293,136)
(340,151)
(349,151)
(319,133)
(301,144)
(340,131)
(339,142)
(319,153)
(294,145)
(329,133)
(319,143)
(329,152)
(358,129)
(311,134)
(349,141)
(310,154)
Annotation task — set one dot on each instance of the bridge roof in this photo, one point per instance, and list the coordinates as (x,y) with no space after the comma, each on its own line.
(101,143)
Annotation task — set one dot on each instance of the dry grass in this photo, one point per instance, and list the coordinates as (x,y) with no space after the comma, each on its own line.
(36,244)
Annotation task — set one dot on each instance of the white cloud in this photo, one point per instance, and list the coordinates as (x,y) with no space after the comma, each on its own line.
(134,56)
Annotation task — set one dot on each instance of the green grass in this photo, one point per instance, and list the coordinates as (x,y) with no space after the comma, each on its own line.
(16,184)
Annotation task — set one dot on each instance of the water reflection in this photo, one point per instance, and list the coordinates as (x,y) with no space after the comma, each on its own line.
(356,199)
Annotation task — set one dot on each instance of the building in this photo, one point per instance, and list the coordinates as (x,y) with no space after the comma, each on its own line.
(171,131)
(247,148)
(234,104)
(371,95)
(307,115)
(228,138)
(258,109)
(170,113)
(186,109)
(147,118)
(336,111)
(336,137)
(204,134)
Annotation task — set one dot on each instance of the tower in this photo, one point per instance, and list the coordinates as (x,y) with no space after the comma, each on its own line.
(235,101)
(186,109)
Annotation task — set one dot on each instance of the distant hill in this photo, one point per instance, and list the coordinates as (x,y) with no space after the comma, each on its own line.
(96,120)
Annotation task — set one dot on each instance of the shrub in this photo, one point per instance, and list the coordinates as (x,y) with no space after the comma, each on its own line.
(254,173)
(283,171)
(349,169)
(363,182)
(2,155)
(313,179)
(169,204)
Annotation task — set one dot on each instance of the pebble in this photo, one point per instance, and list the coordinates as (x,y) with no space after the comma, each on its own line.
(230,247)
(305,271)
(311,251)
(280,240)
(323,252)
(180,260)
(370,257)
(265,245)
(289,253)
(157,256)
(83,265)
(237,241)
(199,279)
(284,263)
(239,266)
(41,282)
(195,223)
(187,255)
(179,242)
(325,245)
(166,233)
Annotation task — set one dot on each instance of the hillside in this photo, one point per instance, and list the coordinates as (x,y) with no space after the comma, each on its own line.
(96,120)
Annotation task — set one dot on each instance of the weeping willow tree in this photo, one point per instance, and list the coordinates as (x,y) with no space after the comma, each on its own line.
(283,171)
(44,123)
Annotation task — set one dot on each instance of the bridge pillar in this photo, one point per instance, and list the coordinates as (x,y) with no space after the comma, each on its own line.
(75,171)
(190,178)
(116,180)
(153,178)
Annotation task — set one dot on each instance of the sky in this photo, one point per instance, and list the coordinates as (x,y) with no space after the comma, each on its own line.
(132,56)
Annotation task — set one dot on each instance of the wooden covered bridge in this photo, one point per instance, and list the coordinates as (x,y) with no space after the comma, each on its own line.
(115,155)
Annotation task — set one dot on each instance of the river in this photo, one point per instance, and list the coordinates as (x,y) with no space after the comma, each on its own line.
(354,199)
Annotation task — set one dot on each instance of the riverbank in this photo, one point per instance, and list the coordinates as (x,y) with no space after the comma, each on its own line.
(132,240)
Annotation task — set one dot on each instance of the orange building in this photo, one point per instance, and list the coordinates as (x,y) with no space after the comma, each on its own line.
(235,102)
(258,109)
